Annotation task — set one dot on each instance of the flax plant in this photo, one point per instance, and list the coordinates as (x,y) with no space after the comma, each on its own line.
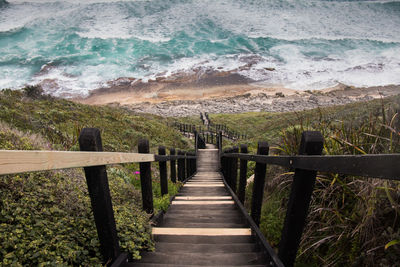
(352,220)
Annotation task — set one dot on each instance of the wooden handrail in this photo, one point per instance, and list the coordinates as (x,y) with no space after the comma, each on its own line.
(18,161)
(371,165)
(305,167)
(94,161)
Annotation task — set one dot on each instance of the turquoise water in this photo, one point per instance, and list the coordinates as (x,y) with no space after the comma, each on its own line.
(72,47)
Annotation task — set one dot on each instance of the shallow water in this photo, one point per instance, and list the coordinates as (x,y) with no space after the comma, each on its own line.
(302,44)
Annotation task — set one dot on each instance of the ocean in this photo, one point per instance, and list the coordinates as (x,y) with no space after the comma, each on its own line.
(74,46)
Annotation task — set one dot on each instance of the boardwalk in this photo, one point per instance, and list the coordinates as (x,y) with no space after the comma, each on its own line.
(203,226)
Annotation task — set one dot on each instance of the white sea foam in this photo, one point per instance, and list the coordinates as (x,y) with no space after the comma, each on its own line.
(310,44)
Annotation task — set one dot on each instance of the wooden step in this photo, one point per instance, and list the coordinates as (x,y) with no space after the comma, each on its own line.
(217,231)
(206,248)
(193,224)
(203,197)
(139,264)
(205,218)
(220,207)
(202,202)
(196,191)
(216,259)
(203,212)
(198,239)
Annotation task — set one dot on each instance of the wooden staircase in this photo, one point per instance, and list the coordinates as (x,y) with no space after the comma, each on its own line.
(203,226)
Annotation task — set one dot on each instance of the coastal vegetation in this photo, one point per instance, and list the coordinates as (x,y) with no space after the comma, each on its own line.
(46,217)
(352,220)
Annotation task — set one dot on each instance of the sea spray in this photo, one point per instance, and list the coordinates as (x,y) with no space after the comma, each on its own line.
(72,47)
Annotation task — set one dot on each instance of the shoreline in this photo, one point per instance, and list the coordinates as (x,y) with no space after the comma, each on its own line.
(223,93)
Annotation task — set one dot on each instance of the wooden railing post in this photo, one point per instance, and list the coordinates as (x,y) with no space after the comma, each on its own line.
(145,178)
(163,172)
(259,181)
(173,166)
(194,163)
(299,200)
(234,169)
(184,166)
(220,140)
(196,140)
(181,167)
(224,163)
(187,164)
(228,167)
(191,164)
(99,192)
(242,175)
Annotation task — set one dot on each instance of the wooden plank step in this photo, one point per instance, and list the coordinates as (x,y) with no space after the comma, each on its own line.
(206,248)
(202,212)
(200,239)
(220,207)
(194,224)
(203,202)
(212,191)
(204,185)
(202,197)
(216,259)
(203,218)
(201,231)
(205,182)
(139,264)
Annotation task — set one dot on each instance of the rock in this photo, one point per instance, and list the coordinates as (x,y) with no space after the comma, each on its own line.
(279,94)
(269,69)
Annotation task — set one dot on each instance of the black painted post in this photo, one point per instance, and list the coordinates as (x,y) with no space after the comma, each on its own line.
(220,140)
(228,164)
(163,172)
(181,167)
(234,170)
(187,164)
(184,166)
(145,178)
(99,192)
(191,164)
(212,138)
(223,163)
(195,163)
(173,165)
(196,140)
(299,200)
(242,175)
(259,181)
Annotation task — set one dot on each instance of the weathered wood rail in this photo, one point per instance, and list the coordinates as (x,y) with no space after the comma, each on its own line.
(94,161)
(306,165)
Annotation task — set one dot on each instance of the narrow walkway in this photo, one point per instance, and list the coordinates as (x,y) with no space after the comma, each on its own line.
(203,226)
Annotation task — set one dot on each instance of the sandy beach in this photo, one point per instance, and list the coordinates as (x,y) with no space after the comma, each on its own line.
(223,92)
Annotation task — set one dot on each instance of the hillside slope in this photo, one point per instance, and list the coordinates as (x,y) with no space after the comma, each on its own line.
(46,216)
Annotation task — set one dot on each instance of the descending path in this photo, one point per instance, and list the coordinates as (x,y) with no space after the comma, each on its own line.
(203,226)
